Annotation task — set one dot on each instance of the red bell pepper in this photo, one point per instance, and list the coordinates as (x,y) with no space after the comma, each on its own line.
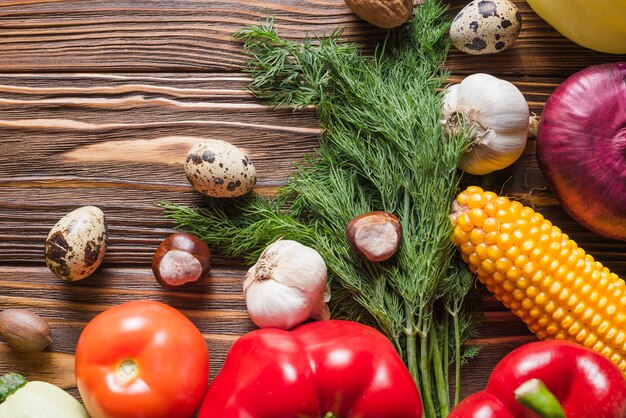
(321,369)
(580,384)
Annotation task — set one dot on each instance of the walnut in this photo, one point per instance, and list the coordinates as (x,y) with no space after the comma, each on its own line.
(386,14)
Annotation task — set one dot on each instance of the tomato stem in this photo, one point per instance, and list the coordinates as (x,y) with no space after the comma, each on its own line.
(127,369)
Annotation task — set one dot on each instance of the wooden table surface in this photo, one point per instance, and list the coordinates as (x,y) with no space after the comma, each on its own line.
(97,101)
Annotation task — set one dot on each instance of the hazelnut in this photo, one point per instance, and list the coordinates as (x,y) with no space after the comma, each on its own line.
(375,235)
(24,331)
(386,14)
(180,259)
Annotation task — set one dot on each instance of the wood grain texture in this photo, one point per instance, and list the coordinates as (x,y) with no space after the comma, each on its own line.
(195,35)
(100,101)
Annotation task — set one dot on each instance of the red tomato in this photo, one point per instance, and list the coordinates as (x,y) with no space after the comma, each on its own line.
(141,359)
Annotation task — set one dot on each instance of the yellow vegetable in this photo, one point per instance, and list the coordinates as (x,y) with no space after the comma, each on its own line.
(594,24)
(540,274)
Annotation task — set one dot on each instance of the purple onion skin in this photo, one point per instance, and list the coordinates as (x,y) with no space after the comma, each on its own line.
(581,147)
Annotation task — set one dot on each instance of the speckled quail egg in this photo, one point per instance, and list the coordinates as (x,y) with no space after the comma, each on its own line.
(486,27)
(76,245)
(219,169)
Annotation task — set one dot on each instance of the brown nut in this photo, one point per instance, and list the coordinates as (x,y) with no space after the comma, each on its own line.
(180,259)
(386,14)
(24,331)
(375,235)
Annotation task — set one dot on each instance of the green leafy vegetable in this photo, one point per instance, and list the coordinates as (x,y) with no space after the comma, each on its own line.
(382,148)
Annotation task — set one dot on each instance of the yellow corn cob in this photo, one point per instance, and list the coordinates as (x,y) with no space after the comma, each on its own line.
(540,274)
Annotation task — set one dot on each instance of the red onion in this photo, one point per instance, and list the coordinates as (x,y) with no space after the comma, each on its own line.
(581,147)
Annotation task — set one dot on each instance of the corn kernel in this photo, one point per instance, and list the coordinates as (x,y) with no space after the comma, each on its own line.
(568,321)
(491,237)
(512,253)
(610,310)
(552,329)
(527,246)
(503,265)
(474,260)
(521,261)
(519,237)
(508,286)
(513,274)
(572,301)
(488,266)
(532,291)
(499,277)
(505,241)
(494,253)
(550,307)
(522,283)
(581,336)
(541,299)
(463,198)
(465,222)
(558,314)
(507,227)
(590,341)
(596,320)
(477,236)
(478,216)
(491,208)
(490,196)
(468,249)
(490,225)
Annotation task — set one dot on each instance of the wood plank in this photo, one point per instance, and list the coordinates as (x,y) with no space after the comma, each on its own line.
(195,35)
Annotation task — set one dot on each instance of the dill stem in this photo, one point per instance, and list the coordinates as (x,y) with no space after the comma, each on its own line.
(440,380)
(426,367)
(457,360)
(446,352)
(411,344)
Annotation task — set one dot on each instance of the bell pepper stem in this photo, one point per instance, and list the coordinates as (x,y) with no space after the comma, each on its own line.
(9,384)
(534,394)
(330,415)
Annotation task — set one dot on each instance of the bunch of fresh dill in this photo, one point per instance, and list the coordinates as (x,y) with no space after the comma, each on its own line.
(382,148)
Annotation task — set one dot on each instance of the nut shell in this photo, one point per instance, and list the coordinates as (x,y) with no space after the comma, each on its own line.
(218,169)
(386,14)
(486,27)
(181,259)
(24,331)
(375,235)
(76,245)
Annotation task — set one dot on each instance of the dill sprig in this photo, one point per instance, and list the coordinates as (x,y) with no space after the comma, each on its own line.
(382,148)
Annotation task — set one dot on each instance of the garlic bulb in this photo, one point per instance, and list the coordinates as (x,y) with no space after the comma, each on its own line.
(498,113)
(287,286)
